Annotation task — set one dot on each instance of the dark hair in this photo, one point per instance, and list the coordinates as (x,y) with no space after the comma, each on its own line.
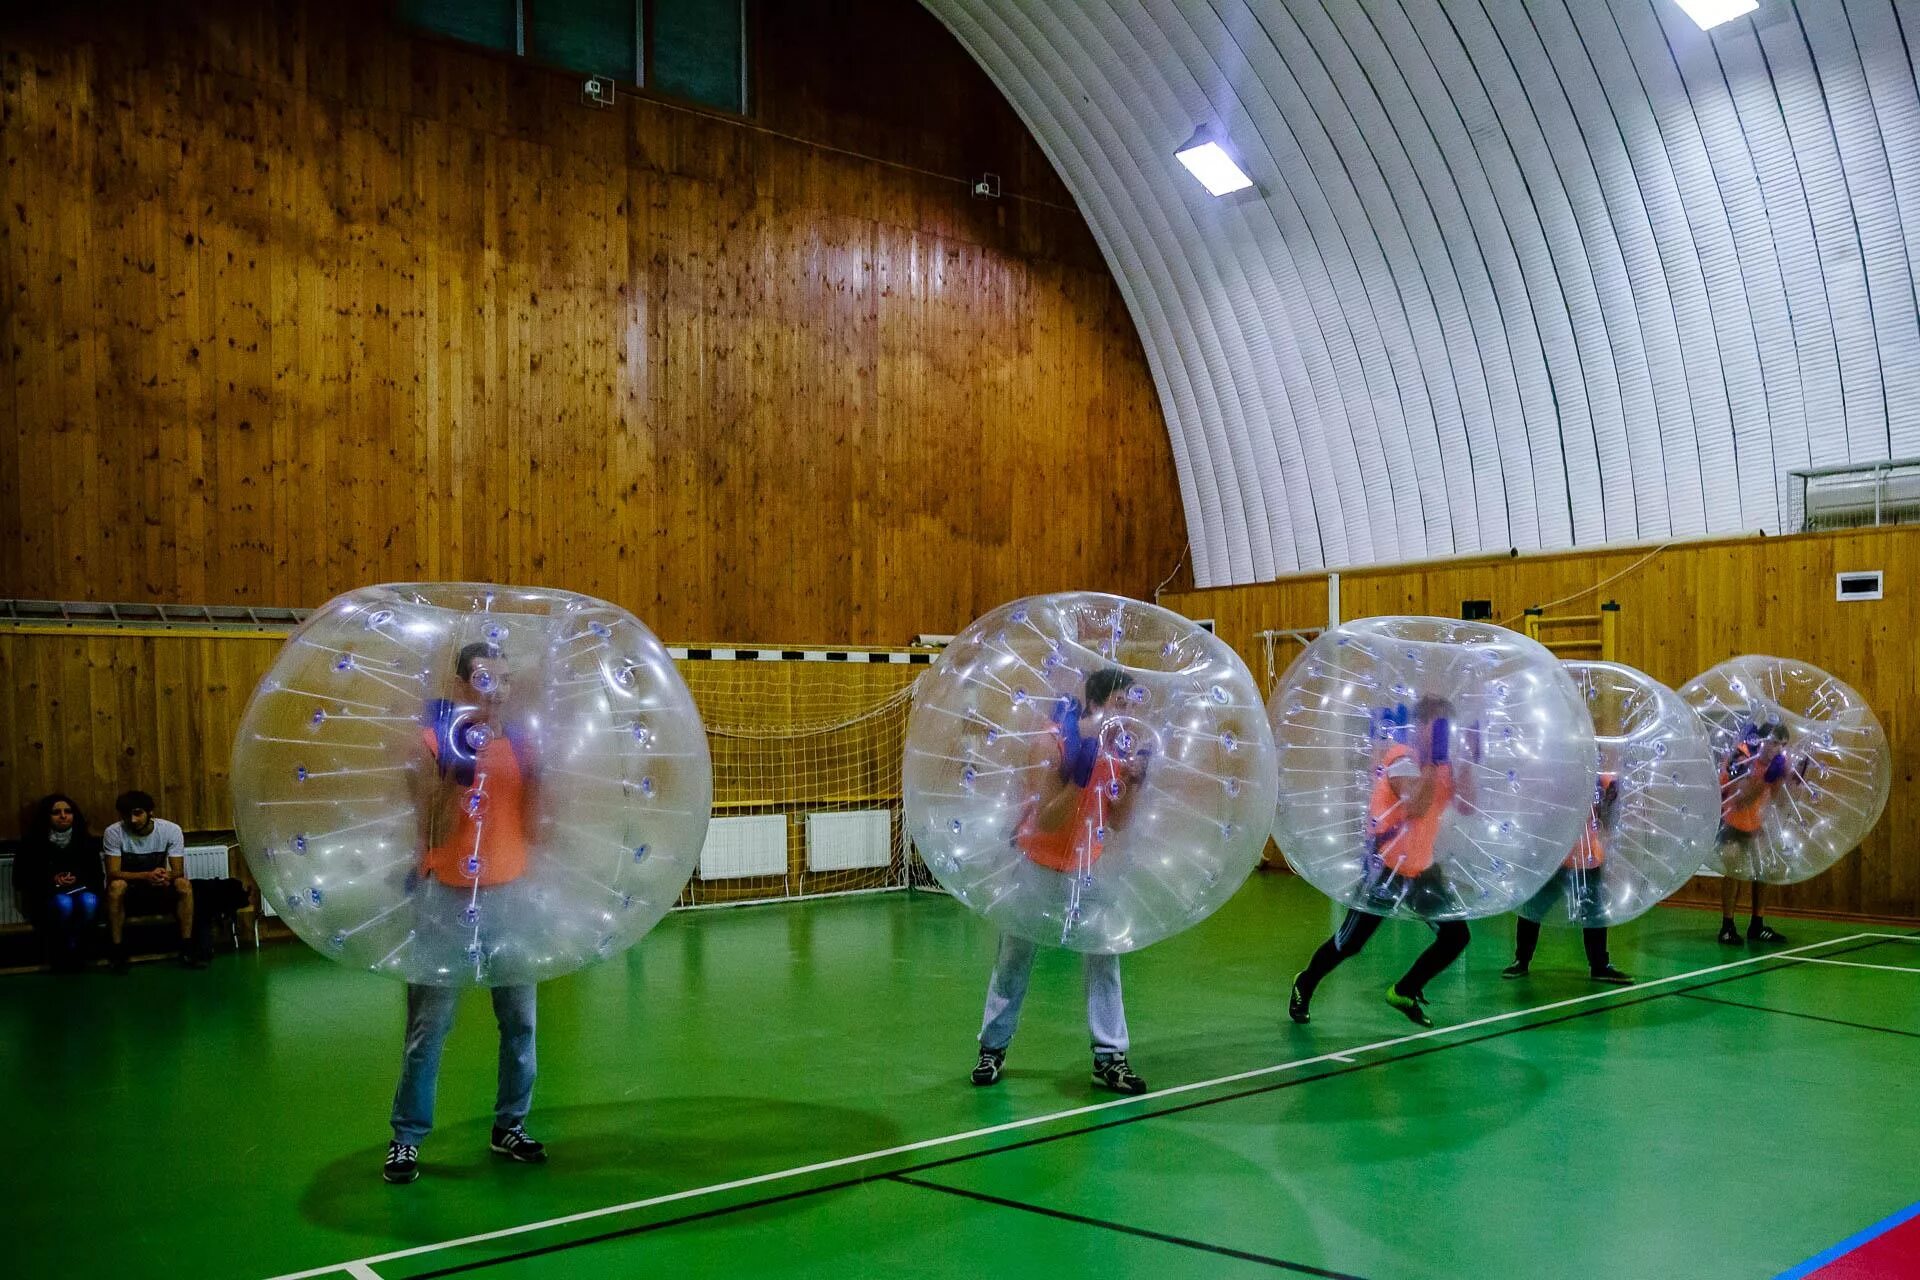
(42,821)
(1769,729)
(1104,683)
(463,665)
(127,801)
(1431,707)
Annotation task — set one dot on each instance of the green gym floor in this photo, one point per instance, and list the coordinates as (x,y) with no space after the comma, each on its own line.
(781,1090)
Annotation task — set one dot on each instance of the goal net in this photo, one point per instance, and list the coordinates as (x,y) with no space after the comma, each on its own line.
(806,752)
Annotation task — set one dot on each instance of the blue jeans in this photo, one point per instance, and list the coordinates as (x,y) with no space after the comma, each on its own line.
(69,917)
(1007,991)
(429,1018)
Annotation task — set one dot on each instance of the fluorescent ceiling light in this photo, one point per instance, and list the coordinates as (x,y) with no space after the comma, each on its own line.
(1711,13)
(1208,161)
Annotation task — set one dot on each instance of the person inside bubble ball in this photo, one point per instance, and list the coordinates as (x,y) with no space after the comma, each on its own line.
(1578,879)
(1755,769)
(473,804)
(1414,785)
(1092,774)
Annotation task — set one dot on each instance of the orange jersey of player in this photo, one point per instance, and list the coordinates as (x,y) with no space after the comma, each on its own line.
(1742,817)
(486,843)
(1078,842)
(1405,841)
(1590,850)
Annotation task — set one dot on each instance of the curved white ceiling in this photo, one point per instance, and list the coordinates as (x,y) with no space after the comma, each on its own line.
(1528,273)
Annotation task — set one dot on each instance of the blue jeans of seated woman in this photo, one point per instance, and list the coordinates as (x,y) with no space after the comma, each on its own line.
(430,1013)
(68,918)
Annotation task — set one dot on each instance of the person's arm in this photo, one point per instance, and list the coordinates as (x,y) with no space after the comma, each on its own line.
(176,864)
(1061,798)
(1749,785)
(1417,787)
(114,847)
(1416,792)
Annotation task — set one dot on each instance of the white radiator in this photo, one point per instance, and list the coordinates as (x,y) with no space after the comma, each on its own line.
(843,841)
(9,909)
(737,847)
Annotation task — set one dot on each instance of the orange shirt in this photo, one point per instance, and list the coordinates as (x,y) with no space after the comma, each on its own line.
(1078,842)
(486,843)
(1742,817)
(1405,842)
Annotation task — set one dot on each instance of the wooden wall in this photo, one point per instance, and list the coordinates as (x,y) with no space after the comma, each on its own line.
(297,300)
(1684,610)
(97,714)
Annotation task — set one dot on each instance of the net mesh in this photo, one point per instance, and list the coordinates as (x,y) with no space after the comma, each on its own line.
(806,778)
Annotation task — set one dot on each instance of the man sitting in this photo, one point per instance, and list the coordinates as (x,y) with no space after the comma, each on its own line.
(147,873)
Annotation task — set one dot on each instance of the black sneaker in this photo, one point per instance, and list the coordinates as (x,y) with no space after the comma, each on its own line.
(1518,969)
(118,961)
(1613,977)
(1729,932)
(517,1146)
(1762,932)
(1113,1072)
(1298,1002)
(1410,1006)
(987,1070)
(192,959)
(403,1162)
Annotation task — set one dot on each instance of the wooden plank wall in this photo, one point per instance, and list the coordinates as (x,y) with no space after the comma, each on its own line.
(1682,611)
(298,300)
(94,715)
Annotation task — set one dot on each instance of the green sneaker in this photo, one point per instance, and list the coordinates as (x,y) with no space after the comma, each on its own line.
(1409,1006)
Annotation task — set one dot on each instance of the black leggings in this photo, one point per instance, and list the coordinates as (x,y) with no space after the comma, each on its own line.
(1526,936)
(1450,940)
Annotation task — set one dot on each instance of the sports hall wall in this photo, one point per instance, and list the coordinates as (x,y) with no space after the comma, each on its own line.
(1686,608)
(297,300)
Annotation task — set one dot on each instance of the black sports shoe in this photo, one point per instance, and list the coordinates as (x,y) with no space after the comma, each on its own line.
(190,958)
(987,1070)
(1298,1002)
(1761,931)
(1608,974)
(1729,932)
(403,1162)
(1518,969)
(517,1146)
(118,961)
(1112,1071)
(1410,1006)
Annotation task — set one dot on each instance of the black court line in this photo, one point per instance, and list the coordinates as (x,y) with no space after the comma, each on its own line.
(1184,1241)
(1292,1082)
(1810,1017)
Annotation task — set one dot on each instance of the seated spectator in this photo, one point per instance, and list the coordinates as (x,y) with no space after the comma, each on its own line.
(56,875)
(147,875)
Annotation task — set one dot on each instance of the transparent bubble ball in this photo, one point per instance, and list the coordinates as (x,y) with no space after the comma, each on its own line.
(460,784)
(1654,808)
(1089,771)
(1830,790)
(1369,710)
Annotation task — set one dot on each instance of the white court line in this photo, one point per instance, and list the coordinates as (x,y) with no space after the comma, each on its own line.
(1855,964)
(365,1264)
